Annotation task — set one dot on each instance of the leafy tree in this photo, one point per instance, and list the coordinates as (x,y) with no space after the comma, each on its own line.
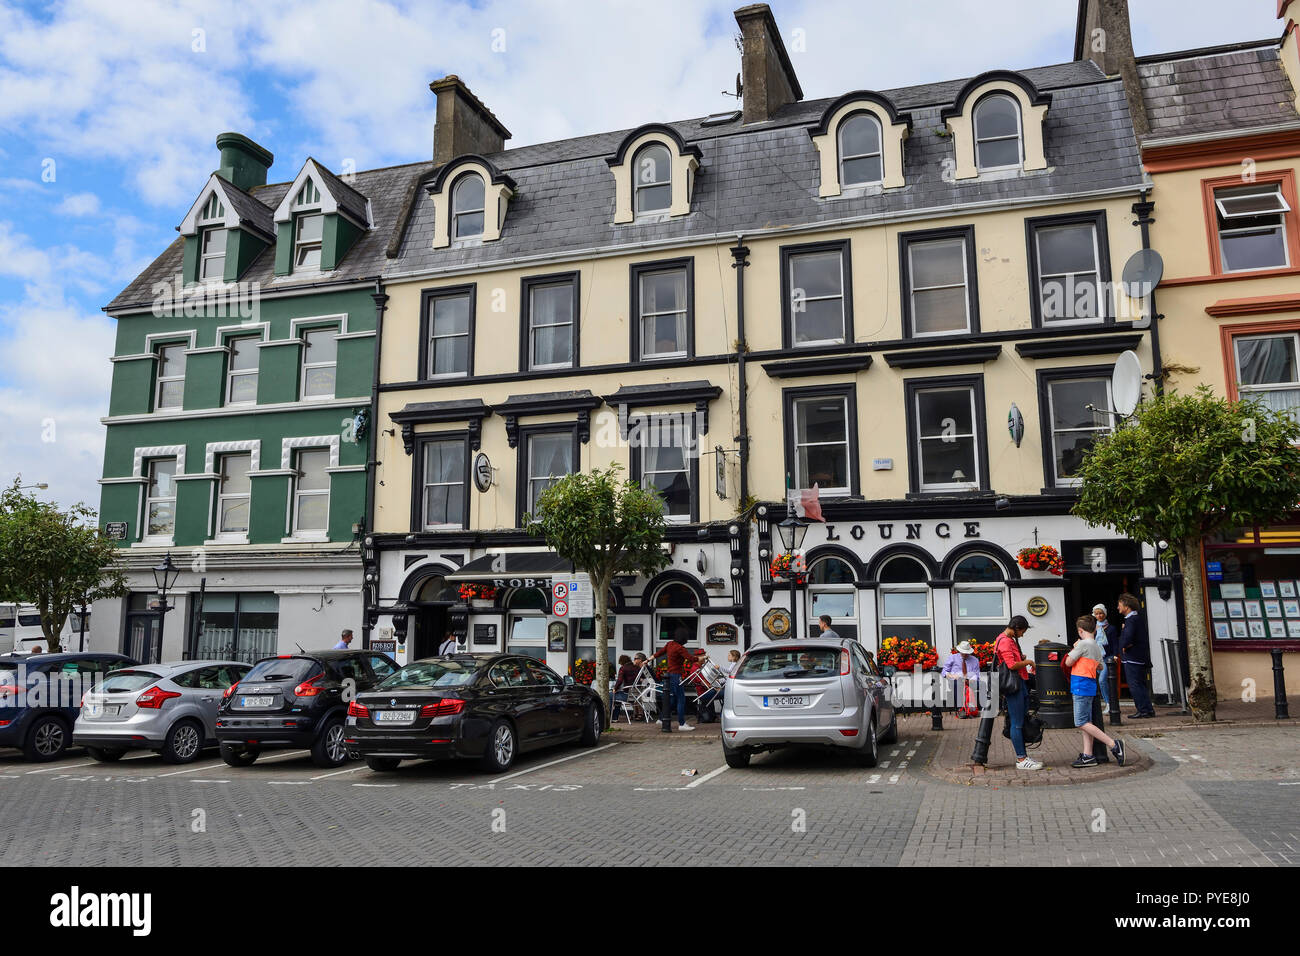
(607,527)
(53,559)
(1184,468)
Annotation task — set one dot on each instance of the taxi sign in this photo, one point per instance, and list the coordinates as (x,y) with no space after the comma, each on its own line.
(560,608)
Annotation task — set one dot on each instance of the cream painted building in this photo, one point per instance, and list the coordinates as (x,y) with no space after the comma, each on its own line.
(903,296)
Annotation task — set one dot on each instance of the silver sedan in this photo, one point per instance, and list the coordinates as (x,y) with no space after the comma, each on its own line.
(167,708)
(807,693)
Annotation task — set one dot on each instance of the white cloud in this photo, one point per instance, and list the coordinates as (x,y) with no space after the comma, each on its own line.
(79,204)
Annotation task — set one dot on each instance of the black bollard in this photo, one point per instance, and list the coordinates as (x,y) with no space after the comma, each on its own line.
(666,709)
(1113,676)
(983,738)
(1279,686)
(1098,750)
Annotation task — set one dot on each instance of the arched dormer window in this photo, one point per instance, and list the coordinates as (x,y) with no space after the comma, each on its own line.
(652,179)
(212,240)
(861,159)
(859,140)
(467,204)
(997,133)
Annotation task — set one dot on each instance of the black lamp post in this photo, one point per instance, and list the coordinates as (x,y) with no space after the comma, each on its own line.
(791,531)
(164,577)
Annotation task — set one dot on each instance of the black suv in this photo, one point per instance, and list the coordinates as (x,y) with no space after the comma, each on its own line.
(296,700)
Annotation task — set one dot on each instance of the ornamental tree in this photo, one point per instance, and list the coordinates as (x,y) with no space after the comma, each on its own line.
(1186,467)
(606,527)
(53,559)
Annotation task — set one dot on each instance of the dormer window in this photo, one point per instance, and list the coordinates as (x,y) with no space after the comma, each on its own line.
(212,254)
(308,233)
(860,154)
(997,133)
(652,172)
(467,207)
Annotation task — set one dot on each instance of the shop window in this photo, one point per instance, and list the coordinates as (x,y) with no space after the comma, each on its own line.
(585,643)
(1255,596)
(832,590)
(238,627)
(979,599)
(675,615)
(1267,370)
(526,622)
(904,589)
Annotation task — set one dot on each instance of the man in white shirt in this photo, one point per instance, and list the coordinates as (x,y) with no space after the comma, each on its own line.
(448,646)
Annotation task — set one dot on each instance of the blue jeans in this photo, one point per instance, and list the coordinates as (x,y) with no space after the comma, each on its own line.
(673,691)
(1105,684)
(1017,705)
(1135,675)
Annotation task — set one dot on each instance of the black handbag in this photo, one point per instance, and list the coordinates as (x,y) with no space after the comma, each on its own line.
(1009,681)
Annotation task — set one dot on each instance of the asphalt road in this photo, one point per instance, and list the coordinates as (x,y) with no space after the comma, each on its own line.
(1214,797)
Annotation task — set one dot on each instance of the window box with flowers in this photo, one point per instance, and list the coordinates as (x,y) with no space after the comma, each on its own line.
(478,595)
(584,672)
(1044,558)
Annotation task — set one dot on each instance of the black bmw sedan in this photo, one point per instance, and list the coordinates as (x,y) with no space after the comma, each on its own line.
(490,707)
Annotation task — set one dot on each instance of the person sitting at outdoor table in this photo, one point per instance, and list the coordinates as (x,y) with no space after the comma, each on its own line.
(963,665)
(625,677)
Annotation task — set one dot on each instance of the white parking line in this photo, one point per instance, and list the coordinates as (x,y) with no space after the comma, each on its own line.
(1289,783)
(65,766)
(884,765)
(283,756)
(374,785)
(708,776)
(911,753)
(207,780)
(289,783)
(335,773)
(873,778)
(175,773)
(894,779)
(543,766)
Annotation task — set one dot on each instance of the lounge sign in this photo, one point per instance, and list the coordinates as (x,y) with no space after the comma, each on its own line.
(912,531)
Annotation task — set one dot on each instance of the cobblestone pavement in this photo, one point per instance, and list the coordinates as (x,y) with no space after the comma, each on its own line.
(1216,796)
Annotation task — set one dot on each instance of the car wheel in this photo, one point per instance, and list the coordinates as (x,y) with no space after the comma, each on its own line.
(501,746)
(183,742)
(238,756)
(592,726)
(736,758)
(105,754)
(890,736)
(383,763)
(328,750)
(47,740)
(869,755)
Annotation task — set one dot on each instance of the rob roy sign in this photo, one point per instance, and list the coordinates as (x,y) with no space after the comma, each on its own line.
(913,530)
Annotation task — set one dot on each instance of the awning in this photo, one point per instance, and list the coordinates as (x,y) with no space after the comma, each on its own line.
(513,565)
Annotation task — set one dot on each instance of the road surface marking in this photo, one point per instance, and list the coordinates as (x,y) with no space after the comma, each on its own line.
(543,766)
(884,765)
(69,766)
(873,778)
(374,785)
(207,780)
(708,776)
(335,773)
(175,773)
(291,753)
(894,779)
(289,783)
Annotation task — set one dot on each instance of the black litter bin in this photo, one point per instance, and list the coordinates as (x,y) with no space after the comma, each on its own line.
(1055,706)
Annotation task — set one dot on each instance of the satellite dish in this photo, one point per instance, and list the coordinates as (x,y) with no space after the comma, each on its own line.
(1142,273)
(1126,383)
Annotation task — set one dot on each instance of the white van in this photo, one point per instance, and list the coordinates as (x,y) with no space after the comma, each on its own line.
(8,621)
(28,633)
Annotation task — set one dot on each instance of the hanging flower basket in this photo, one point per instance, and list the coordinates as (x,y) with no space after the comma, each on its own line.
(1044,558)
(480,595)
(789,567)
(906,652)
(584,672)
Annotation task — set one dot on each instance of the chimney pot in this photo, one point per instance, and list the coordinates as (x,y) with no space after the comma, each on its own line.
(462,123)
(243,162)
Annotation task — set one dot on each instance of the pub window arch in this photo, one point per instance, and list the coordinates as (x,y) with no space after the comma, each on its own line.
(832,589)
(980,601)
(526,620)
(676,614)
(906,609)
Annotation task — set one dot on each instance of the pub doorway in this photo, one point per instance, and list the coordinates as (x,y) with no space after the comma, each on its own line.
(429,616)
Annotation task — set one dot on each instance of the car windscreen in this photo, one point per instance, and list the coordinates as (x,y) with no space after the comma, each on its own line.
(120,682)
(782,663)
(282,668)
(431,674)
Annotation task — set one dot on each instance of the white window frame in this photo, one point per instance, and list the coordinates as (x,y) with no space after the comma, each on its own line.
(638,186)
(973,482)
(657,426)
(922,587)
(533,325)
(1107,429)
(205,256)
(457,212)
(1065,277)
(160,379)
(426,484)
(1019,135)
(233,373)
(530,499)
(814,590)
(301,245)
(793,259)
(966,587)
(434,337)
(913,288)
(845,157)
(311,534)
(683,312)
(149,500)
(223,497)
(800,466)
(1223,217)
(1244,389)
(302,383)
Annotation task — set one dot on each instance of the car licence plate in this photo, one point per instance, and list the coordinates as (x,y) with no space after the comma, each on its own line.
(785,701)
(394,716)
(256,701)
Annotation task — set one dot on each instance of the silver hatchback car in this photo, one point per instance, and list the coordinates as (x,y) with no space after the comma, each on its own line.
(168,708)
(807,693)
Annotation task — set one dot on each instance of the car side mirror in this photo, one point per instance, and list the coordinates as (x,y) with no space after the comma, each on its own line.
(888,670)
(568,679)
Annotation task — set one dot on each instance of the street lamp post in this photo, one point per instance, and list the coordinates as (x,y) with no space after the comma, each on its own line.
(164,577)
(791,532)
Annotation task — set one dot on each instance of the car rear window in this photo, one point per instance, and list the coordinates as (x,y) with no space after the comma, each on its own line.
(123,681)
(283,668)
(784,662)
(432,674)
(29,620)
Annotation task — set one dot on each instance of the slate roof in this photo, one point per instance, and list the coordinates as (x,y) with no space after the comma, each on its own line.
(763,175)
(349,200)
(248,209)
(1210,91)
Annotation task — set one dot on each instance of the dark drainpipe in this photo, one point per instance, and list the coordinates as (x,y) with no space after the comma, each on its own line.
(1142,209)
(740,253)
(370,563)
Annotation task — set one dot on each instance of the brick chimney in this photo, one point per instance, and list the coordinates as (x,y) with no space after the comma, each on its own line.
(243,162)
(1102,35)
(766,75)
(462,123)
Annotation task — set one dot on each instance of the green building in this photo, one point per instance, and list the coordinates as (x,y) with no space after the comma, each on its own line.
(236,434)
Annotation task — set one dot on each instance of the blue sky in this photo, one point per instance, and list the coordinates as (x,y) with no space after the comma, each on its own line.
(109,111)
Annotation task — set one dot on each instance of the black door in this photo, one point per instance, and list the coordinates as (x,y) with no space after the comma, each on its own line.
(430,631)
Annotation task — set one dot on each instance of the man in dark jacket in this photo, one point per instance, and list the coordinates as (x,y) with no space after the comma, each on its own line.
(1135,649)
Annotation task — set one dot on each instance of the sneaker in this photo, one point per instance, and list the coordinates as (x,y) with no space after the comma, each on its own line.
(1138,716)
(685,727)
(1118,751)
(1028,763)
(1084,760)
